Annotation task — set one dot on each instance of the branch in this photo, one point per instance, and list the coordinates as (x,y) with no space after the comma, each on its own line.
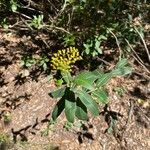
(116,41)
(147,51)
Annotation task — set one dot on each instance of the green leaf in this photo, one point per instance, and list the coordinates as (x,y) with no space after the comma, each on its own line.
(97,73)
(94,53)
(97,46)
(87,75)
(88,102)
(70,105)
(99,50)
(44,66)
(59,82)
(104,79)
(14,7)
(101,96)
(85,83)
(86,80)
(58,93)
(102,37)
(122,63)
(70,109)
(88,46)
(81,110)
(122,71)
(59,107)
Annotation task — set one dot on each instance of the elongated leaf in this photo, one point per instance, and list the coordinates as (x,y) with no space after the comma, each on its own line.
(59,107)
(58,93)
(88,102)
(97,73)
(70,109)
(122,71)
(101,96)
(122,63)
(85,83)
(87,75)
(70,105)
(81,110)
(104,79)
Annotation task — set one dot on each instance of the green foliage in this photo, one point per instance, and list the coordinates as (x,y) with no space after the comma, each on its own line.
(4,23)
(119,91)
(68,126)
(90,20)
(7,118)
(93,46)
(3,138)
(69,40)
(14,5)
(4,141)
(42,62)
(36,22)
(27,61)
(9,5)
(85,92)
(85,23)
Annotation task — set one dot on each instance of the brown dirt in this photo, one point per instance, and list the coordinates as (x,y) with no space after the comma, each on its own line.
(27,102)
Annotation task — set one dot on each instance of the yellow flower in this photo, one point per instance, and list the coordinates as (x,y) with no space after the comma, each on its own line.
(64,59)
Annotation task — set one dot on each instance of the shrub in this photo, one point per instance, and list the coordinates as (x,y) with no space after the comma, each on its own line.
(84,92)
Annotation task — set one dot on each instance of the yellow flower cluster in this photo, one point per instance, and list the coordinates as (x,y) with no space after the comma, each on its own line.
(64,59)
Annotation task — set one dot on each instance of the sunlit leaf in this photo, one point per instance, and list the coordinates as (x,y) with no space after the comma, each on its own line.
(87,75)
(88,102)
(122,63)
(122,71)
(101,96)
(85,83)
(58,93)
(104,79)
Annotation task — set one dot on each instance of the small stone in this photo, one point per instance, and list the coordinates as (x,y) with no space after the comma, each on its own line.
(65,141)
(25,73)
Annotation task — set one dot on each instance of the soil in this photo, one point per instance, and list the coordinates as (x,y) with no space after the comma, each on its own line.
(24,98)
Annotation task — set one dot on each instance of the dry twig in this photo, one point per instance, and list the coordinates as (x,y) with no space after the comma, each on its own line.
(136,57)
(117,42)
(144,43)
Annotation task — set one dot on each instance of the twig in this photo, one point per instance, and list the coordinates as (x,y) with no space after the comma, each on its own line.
(57,28)
(27,6)
(62,10)
(52,5)
(44,41)
(116,41)
(141,64)
(144,114)
(137,58)
(104,61)
(28,17)
(134,51)
(144,43)
(141,74)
